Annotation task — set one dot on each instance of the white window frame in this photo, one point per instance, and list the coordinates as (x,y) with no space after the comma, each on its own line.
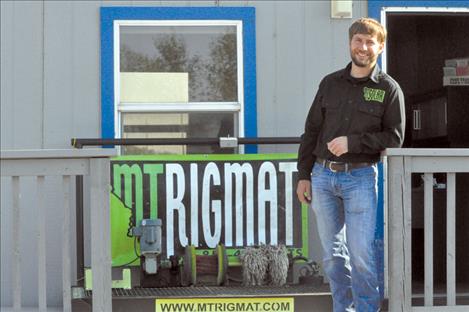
(237,107)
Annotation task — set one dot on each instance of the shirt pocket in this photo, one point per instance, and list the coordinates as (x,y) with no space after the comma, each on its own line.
(370,115)
(331,108)
(371,109)
(330,105)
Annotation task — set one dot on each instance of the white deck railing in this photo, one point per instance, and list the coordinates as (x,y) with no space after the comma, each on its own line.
(66,163)
(401,163)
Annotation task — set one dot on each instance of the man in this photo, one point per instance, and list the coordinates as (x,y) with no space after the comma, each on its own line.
(357,112)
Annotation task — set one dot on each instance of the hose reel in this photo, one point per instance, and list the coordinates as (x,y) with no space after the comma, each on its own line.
(205,269)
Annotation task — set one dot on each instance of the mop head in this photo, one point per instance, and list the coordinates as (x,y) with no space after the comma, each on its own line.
(254,263)
(278,264)
(265,265)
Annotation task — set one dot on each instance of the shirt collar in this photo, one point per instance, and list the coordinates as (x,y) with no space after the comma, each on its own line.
(374,75)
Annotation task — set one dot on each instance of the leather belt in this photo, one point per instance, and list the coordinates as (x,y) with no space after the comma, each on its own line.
(338,166)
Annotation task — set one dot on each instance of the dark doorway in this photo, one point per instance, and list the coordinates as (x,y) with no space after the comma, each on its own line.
(437,117)
(418,45)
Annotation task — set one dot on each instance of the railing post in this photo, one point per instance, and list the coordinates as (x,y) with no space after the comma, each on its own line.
(428,238)
(15,181)
(451,239)
(66,283)
(100,234)
(41,246)
(80,249)
(399,234)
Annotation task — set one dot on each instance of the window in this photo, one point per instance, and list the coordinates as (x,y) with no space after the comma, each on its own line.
(178,73)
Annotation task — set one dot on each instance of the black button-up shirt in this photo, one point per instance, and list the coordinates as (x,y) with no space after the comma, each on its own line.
(370,111)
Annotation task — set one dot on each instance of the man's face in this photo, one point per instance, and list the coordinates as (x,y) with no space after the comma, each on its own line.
(365,49)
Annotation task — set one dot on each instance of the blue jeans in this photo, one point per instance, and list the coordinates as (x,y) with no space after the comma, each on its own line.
(345,205)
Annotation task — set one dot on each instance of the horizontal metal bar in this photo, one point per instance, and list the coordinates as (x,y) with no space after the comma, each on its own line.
(79,143)
(179,108)
(440,164)
(216,291)
(270,140)
(450,152)
(458,308)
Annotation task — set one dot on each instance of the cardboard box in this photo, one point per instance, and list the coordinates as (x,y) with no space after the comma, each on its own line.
(462,71)
(456,81)
(449,71)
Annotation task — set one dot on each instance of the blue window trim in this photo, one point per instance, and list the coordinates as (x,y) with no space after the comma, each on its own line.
(375,6)
(244,14)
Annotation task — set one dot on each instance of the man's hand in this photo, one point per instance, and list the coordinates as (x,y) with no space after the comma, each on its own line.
(338,146)
(303,190)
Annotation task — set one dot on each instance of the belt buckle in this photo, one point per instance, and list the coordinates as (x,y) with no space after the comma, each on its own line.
(329,165)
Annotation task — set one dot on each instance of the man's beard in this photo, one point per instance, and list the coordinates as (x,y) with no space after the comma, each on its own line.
(357,62)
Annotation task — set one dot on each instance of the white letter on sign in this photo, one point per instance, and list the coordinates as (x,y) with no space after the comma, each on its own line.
(288,168)
(194,206)
(264,196)
(175,203)
(239,171)
(211,171)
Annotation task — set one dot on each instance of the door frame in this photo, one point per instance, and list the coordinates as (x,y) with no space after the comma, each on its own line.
(378,9)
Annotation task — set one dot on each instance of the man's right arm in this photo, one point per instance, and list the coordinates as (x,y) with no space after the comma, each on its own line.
(309,138)
(306,158)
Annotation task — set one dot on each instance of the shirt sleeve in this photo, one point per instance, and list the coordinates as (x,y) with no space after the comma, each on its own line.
(309,138)
(393,127)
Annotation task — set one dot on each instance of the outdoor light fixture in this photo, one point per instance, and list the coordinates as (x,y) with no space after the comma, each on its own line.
(341,8)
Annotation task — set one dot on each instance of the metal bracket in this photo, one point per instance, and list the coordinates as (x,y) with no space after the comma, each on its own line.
(228,142)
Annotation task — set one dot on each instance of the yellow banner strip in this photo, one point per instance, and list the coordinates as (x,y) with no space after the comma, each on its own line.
(225,305)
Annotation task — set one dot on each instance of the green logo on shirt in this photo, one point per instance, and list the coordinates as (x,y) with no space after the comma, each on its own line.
(373,94)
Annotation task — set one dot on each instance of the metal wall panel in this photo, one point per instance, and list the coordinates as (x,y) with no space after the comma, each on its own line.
(318,31)
(22,76)
(85,70)
(59,88)
(6,91)
(290,66)
(266,63)
(71,72)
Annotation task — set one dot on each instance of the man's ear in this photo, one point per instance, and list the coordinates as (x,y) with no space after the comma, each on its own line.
(381,48)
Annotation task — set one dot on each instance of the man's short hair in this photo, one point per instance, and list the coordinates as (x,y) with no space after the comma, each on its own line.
(368,26)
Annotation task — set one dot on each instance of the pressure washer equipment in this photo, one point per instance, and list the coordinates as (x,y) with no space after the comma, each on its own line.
(149,232)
